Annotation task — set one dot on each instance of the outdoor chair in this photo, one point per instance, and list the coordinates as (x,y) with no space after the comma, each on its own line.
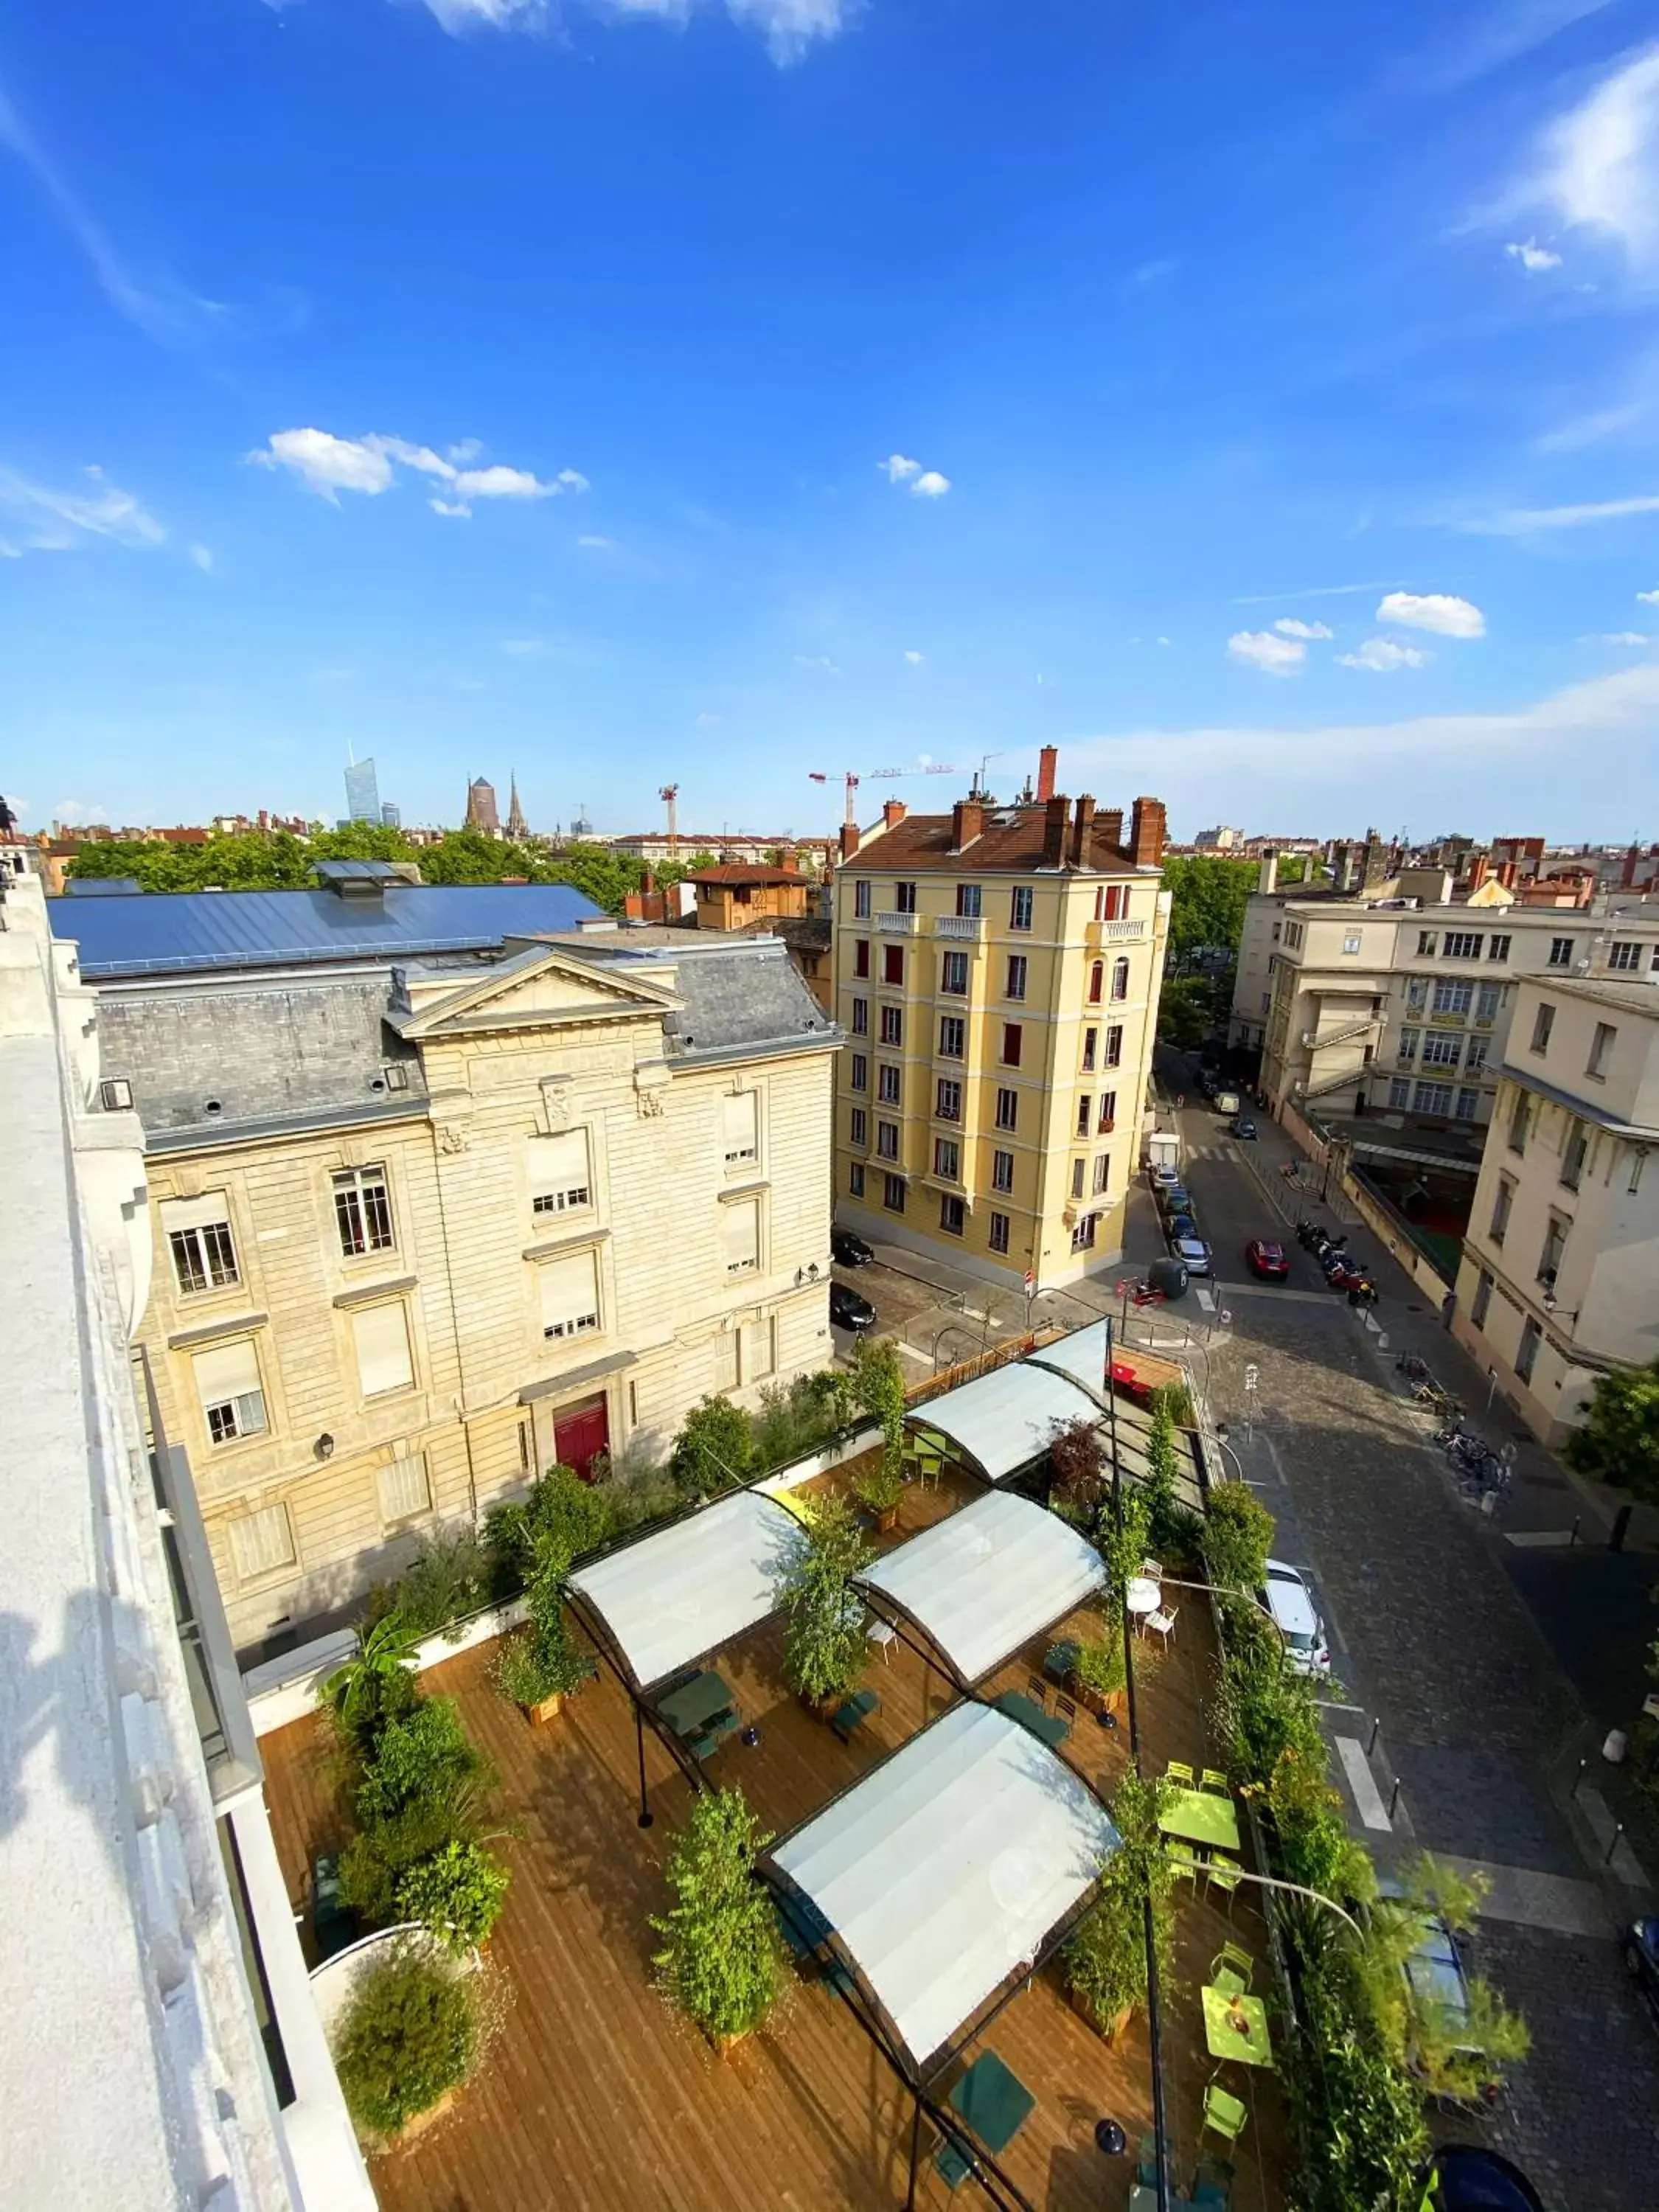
(1231,1969)
(1152,1570)
(882,1635)
(1178,1772)
(1067,1708)
(1187,1862)
(1223,1873)
(1224,2115)
(1164,1623)
(850,1716)
(1036,1690)
(1210,1779)
(1213,2180)
(952,2164)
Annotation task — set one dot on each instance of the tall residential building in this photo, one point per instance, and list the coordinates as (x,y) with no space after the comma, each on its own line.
(1559,1280)
(997,970)
(517,827)
(363,791)
(481,807)
(166,2049)
(426,1228)
(391,815)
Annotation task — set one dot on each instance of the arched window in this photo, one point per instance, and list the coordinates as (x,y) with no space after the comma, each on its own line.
(1120,979)
(1096,979)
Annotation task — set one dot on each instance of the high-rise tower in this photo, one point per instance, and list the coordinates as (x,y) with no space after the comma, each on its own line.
(480,813)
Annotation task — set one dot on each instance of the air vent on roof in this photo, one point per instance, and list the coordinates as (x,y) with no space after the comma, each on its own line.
(115,1096)
(1005,821)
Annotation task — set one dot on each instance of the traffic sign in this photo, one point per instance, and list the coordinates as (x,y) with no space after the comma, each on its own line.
(1250,1378)
(1030,1282)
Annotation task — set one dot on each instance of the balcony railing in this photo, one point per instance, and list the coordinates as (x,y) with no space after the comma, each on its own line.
(897,925)
(1115,933)
(958,925)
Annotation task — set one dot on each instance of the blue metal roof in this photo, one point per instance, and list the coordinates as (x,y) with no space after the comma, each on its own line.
(182,932)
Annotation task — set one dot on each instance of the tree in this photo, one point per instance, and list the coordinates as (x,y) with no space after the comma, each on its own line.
(824,1646)
(409,2034)
(1077,1459)
(878,1385)
(713,1450)
(1106,1960)
(1208,905)
(1237,1530)
(721,1963)
(1619,1440)
(1167,1516)
(376,1685)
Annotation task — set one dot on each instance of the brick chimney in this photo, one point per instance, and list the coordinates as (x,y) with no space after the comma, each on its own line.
(1146,832)
(1506,874)
(1627,873)
(1081,839)
(967,822)
(1048,763)
(1054,831)
(892,813)
(850,840)
(1479,871)
(1110,819)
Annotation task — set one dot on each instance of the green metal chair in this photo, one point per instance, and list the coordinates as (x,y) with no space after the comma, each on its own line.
(1224,2115)
(1187,1864)
(1225,1874)
(1209,1778)
(1230,1970)
(1178,1772)
(952,2164)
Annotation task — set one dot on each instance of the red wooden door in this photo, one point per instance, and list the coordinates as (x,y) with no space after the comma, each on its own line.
(580,1433)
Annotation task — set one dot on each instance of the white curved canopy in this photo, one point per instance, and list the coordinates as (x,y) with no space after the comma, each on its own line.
(1004,1420)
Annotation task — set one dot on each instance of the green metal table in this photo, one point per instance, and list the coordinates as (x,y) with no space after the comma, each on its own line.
(1201,1816)
(1048,1728)
(1247,2046)
(994,2101)
(689,1709)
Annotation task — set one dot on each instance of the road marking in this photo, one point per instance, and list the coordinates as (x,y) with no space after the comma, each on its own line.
(1331,1705)
(1539,1539)
(1561,1902)
(1623,1861)
(1206,1298)
(1372,1811)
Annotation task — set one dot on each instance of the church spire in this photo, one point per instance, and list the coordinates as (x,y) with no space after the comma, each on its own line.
(517,827)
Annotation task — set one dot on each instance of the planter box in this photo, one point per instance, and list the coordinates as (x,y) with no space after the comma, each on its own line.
(422,2121)
(1099,1701)
(725,2045)
(1107,2031)
(885,1521)
(538,1716)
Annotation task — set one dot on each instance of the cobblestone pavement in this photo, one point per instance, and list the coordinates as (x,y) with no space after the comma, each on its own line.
(1429,1632)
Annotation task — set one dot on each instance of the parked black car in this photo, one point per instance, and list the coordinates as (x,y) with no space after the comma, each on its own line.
(851,1251)
(1242,1126)
(848,1310)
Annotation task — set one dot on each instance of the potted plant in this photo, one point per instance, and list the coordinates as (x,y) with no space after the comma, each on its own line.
(408,2039)
(1098,1675)
(878,1490)
(1105,1960)
(541,1666)
(825,1645)
(722,1961)
(457,1894)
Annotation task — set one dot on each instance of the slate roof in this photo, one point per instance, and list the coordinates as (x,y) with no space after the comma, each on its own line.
(184,933)
(1010,843)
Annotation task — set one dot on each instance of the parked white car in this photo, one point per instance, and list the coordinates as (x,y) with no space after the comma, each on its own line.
(1285,1594)
(1164,1176)
(1193,1253)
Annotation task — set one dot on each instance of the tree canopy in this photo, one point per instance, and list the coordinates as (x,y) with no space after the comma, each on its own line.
(1208,908)
(1619,1440)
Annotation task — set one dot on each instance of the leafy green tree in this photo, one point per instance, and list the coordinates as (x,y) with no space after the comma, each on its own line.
(879,1387)
(1208,905)
(713,1450)
(721,1963)
(409,2034)
(825,1645)
(377,1684)
(1106,1960)
(1167,1516)
(1620,1439)
(1237,1532)
(1293,868)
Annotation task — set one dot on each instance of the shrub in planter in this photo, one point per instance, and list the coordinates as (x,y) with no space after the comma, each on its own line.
(448,1579)
(1237,1532)
(409,2036)
(423,1757)
(825,1645)
(532,1668)
(1076,1460)
(721,1963)
(458,1893)
(1100,1672)
(714,1449)
(561,1517)
(879,1489)
(376,1686)
(1105,1962)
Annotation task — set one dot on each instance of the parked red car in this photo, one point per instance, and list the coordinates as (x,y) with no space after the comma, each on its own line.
(1268,1261)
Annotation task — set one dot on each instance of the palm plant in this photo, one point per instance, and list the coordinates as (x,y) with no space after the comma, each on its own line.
(376,1685)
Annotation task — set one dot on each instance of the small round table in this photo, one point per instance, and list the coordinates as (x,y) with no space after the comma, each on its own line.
(1143,1595)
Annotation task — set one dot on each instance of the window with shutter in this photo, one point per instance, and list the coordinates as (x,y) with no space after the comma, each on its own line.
(381,1336)
(740,1128)
(261,1542)
(570,1294)
(561,1180)
(760,1356)
(197,1231)
(740,1236)
(228,1383)
(405,1488)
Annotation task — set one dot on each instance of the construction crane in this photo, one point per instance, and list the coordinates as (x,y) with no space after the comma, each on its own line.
(670,793)
(852,778)
(818,775)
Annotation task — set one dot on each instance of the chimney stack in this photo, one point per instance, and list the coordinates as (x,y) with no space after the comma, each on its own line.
(1146,832)
(892,813)
(1053,832)
(1627,873)
(850,840)
(967,822)
(1375,863)
(1506,874)
(1111,826)
(1047,765)
(1479,869)
(1081,829)
(1266,878)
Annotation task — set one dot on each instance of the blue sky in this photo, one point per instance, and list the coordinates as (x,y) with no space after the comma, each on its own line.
(1260,402)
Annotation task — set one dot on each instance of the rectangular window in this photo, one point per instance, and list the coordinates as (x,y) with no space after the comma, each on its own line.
(953,975)
(1453,998)
(947,1159)
(968,902)
(1007,1108)
(887,1140)
(740,1128)
(380,1335)
(1500,1210)
(1425,944)
(1102,1173)
(1482,1305)
(1010,1044)
(228,1385)
(855,1179)
(261,1543)
(1526,1358)
(363,1210)
(405,1489)
(892,965)
(904,898)
(558,1174)
(1019,906)
(1518,1123)
(1468,1103)
(1086,1115)
(1002,1170)
(1542,1022)
(887,1085)
(860,1018)
(1409,1040)
(947,1103)
(740,1236)
(1111,902)
(1400,1092)
(1114,1045)
(1083,1236)
(1351,944)
(1572,1160)
(892,1025)
(1120,980)
(1416,993)
(1441,1049)
(1433,1098)
(1096,982)
(893,1194)
(1601,1051)
(1107,1121)
(862,956)
(569,1292)
(1560,952)
(952,1036)
(1624,953)
(1488,999)
(861,1129)
(861,899)
(1497,948)
(861,1073)
(1463,945)
(1080,1171)
(1016,973)
(1549,1260)
(1476,1056)
(1090,1049)
(199,1237)
(999,1232)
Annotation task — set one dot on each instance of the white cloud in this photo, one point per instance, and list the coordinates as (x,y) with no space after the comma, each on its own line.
(926,483)
(412,457)
(790,26)
(1648,598)
(522,647)
(1313,592)
(1288,626)
(47,521)
(1599,166)
(80,810)
(1382,655)
(328,465)
(1440,611)
(457,17)
(930,484)
(1533,256)
(464,450)
(597,544)
(915,659)
(899,467)
(1476,42)
(1617,637)
(1151,272)
(818,661)
(1273,656)
(201,554)
(455,506)
(1164,641)
(1523,522)
(709,722)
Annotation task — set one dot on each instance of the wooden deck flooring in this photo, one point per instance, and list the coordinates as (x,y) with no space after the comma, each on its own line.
(595,2096)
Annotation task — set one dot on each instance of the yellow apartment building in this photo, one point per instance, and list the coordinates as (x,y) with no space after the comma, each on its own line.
(997,974)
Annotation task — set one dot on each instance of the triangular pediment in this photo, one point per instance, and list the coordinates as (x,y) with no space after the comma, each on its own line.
(538,989)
